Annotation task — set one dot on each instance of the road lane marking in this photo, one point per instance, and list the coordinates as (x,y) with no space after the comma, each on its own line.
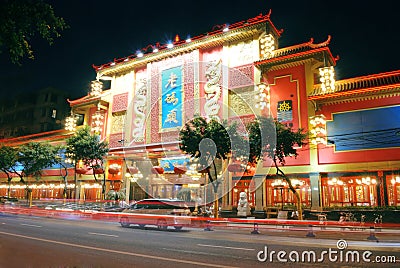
(119,252)
(215,246)
(206,253)
(103,234)
(31,225)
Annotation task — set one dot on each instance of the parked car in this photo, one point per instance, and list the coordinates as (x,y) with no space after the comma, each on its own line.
(156,211)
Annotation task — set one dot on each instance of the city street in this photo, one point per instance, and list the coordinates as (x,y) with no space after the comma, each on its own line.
(27,241)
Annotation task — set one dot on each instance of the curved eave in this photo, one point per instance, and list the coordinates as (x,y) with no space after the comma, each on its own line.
(276,62)
(203,43)
(50,136)
(88,100)
(380,85)
(378,92)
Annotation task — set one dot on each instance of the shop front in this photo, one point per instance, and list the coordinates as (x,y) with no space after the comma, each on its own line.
(279,195)
(349,191)
(393,189)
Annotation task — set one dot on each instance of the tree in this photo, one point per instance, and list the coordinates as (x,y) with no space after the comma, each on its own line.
(88,148)
(21,20)
(208,140)
(33,157)
(8,159)
(277,141)
(61,161)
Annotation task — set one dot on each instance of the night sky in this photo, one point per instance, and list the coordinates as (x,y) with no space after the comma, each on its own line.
(364,36)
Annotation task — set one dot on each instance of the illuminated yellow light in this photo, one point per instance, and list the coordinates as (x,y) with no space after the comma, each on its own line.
(96,88)
(70,123)
(267,46)
(327,78)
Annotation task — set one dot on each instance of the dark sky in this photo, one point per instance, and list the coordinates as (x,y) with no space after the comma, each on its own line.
(364,36)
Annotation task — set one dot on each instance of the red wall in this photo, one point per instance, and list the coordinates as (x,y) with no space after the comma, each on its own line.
(290,84)
(327,154)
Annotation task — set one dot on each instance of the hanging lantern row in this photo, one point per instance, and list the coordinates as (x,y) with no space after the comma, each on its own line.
(70,122)
(262,96)
(96,88)
(327,78)
(97,122)
(318,129)
(82,171)
(267,46)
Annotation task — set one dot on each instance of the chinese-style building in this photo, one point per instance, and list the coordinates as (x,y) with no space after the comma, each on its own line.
(235,72)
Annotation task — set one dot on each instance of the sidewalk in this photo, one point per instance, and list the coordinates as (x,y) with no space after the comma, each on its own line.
(312,230)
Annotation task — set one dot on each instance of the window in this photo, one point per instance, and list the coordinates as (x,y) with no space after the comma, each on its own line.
(54,113)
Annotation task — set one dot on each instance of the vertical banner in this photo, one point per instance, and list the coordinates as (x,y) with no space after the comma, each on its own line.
(171,98)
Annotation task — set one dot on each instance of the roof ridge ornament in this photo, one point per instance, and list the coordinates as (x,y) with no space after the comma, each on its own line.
(322,44)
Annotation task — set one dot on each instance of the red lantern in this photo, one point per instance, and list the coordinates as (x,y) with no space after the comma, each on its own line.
(81,170)
(157,170)
(113,170)
(235,167)
(133,170)
(98,171)
(180,169)
(204,170)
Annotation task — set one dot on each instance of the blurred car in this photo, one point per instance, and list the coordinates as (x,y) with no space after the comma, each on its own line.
(8,200)
(157,211)
(114,207)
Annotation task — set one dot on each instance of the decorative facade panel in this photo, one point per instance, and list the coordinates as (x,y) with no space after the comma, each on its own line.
(241,104)
(116,140)
(120,102)
(118,122)
(243,53)
(241,76)
(139,107)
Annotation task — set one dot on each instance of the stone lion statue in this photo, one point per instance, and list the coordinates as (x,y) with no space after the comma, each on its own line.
(243,207)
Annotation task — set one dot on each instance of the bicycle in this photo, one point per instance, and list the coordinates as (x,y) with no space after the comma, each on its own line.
(347,217)
(378,220)
(351,220)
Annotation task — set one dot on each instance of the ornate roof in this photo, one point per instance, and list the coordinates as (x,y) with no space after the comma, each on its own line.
(218,36)
(87,100)
(297,54)
(370,85)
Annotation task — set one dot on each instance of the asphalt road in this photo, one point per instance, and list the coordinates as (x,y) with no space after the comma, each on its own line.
(27,241)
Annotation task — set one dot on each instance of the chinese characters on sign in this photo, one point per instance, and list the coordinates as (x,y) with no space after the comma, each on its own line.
(171,97)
